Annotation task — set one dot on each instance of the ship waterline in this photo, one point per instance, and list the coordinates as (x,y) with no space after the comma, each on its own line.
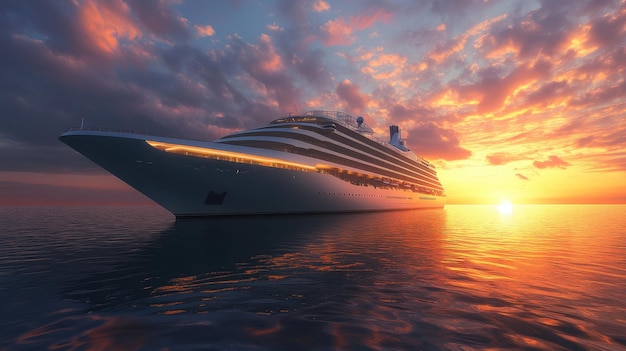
(311,163)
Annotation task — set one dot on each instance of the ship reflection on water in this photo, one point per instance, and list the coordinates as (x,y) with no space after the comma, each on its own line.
(450,278)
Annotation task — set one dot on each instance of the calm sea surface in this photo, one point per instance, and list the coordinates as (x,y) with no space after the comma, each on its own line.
(544,277)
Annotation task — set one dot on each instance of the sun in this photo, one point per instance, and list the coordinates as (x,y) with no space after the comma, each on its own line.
(506,207)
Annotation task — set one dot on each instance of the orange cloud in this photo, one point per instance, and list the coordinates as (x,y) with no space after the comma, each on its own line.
(385,66)
(552,162)
(106,23)
(321,6)
(271,59)
(501,158)
(492,91)
(339,31)
(435,142)
(445,50)
(204,31)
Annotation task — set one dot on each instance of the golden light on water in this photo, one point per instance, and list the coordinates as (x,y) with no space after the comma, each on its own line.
(505,207)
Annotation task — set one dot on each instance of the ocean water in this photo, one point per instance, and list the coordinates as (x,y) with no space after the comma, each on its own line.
(466,277)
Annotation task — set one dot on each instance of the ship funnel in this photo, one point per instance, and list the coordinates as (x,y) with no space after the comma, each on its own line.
(395,138)
(394,135)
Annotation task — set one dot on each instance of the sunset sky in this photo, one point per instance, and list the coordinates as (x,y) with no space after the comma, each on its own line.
(517,100)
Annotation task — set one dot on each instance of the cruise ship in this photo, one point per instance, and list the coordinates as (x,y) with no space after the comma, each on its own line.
(315,162)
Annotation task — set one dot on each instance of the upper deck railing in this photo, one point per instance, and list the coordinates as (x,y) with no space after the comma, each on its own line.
(342,117)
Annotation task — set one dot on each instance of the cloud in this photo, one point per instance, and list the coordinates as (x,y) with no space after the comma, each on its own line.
(159,19)
(50,81)
(106,23)
(339,31)
(547,94)
(263,62)
(501,158)
(320,6)
(552,162)
(204,31)
(521,176)
(601,95)
(311,65)
(609,30)
(434,142)
(446,49)
(385,67)
(351,94)
(492,90)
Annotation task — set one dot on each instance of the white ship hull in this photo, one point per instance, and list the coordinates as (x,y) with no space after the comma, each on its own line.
(188,185)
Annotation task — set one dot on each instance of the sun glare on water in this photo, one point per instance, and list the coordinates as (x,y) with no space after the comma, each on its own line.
(506,207)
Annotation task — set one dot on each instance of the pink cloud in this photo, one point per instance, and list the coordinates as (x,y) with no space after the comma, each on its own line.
(501,158)
(204,31)
(552,162)
(385,67)
(339,31)
(366,20)
(543,31)
(267,74)
(609,29)
(160,19)
(106,23)
(263,56)
(352,95)
(320,6)
(548,93)
(492,91)
(444,50)
(434,142)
